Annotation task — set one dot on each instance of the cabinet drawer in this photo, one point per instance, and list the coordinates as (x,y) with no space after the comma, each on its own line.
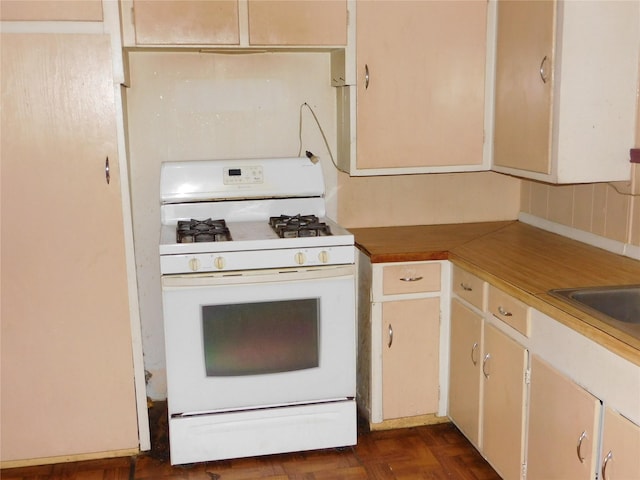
(411,278)
(468,287)
(511,311)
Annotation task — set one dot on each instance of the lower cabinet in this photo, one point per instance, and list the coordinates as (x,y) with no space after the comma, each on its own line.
(620,453)
(399,342)
(410,363)
(539,400)
(504,364)
(563,426)
(464,370)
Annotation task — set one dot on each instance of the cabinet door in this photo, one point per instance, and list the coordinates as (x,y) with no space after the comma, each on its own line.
(524,54)
(503,367)
(620,447)
(420,85)
(464,370)
(51,10)
(186,22)
(410,350)
(308,22)
(67,373)
(563,426)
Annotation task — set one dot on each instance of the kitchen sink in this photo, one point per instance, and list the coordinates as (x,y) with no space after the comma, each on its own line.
(611,304)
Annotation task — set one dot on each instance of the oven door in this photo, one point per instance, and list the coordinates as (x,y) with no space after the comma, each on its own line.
(259,339)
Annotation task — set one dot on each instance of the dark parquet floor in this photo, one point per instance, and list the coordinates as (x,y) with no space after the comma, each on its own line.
(435,452)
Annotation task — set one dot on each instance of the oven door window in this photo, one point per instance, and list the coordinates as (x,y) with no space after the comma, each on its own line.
(261,338)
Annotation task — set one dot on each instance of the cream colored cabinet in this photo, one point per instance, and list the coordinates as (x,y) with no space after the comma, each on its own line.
(504,363)
(399,352)
(420,88)
(488,371)
(410,357)
(227,23)
(67,369)
(51,10)
(620,447)
(306,22)
(464,370)
(185,22)
(563,426)
(565,89)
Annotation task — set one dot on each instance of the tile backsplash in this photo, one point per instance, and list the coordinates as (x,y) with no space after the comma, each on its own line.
(610,210)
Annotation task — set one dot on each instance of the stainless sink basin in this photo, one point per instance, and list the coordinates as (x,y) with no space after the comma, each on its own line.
(619,303)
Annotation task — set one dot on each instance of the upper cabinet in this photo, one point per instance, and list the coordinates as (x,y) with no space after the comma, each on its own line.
(186,22)
(51,10)
(565,89)
(419,95)
(286,22)
(228,23)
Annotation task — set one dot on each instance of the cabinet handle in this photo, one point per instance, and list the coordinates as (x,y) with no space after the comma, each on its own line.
(410,279)
(503,312)
(473,350)
(484,364)
(107,173)
(543,71)
(366,76)
(466,287)
(604,464)
(390,336)
(582,437)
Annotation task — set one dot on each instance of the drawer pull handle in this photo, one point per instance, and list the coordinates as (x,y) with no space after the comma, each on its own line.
(466,287)
(366,76)
(484,365)
(503,312)
(604,464)
(473,351)
(544,76)
(582,437)
(390,336)
(410,279)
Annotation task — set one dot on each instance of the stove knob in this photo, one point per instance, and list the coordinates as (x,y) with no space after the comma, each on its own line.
(219,262)
(323,256)
(300,258)
(194,264)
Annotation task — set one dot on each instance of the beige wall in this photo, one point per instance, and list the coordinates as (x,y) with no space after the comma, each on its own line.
(427,199)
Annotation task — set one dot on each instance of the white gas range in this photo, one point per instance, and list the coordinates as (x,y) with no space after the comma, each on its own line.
(259,310)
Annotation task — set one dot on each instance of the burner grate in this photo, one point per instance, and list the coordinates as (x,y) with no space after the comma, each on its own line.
(292,226)
(192,231)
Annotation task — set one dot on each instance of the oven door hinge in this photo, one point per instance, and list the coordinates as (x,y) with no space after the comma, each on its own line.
(527,376)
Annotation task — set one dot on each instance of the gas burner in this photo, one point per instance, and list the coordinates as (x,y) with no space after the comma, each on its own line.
(190,231)
(288,226)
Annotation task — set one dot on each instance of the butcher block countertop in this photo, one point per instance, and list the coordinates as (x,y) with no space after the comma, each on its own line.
(522,260)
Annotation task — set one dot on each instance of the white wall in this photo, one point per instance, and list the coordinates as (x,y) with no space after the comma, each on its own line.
(191,106)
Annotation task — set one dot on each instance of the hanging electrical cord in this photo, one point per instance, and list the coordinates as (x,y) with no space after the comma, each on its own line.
(310,155)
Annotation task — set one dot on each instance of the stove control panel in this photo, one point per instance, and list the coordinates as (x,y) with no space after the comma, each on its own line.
(243,175)
(258,259)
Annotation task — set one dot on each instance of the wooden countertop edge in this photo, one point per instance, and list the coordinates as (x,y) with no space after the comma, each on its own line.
(584,324)
(405,256)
